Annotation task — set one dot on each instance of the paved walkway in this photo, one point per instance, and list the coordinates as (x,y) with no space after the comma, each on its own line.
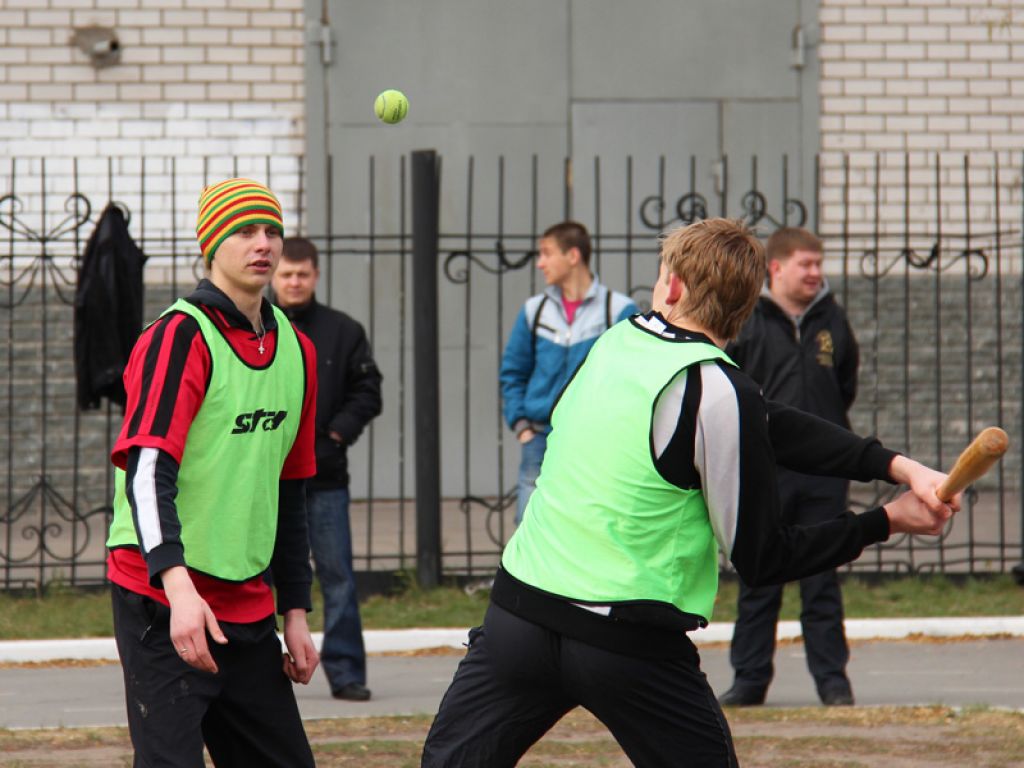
(886,670)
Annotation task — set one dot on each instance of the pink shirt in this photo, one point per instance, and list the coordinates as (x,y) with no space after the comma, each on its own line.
(570,308)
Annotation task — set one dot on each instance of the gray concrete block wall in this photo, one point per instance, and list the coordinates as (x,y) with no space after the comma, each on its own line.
(56,482)
(903,395)
(915,380)
(904,398)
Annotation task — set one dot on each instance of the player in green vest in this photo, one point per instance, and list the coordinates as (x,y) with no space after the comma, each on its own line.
(661,455)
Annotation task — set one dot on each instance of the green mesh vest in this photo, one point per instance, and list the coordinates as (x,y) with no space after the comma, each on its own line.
(603,526)
(235,449)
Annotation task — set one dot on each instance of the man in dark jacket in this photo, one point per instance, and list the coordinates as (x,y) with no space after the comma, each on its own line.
(799,347)
(348,397)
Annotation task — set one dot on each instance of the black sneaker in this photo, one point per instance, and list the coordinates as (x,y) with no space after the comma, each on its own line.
(1018,573)
(352,692)
(837,697)
(742,697)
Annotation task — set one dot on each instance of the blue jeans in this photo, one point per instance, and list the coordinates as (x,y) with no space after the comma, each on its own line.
(342,654)
(529,469)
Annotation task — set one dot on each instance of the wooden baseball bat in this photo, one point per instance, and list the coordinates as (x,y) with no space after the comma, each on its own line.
(977,459)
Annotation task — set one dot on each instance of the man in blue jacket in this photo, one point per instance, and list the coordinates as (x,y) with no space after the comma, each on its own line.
(551,337)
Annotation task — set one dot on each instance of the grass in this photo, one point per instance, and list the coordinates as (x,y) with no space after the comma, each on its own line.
(415,607)
(63,612)
(903,597)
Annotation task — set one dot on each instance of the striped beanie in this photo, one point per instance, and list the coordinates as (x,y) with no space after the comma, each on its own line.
(226,207)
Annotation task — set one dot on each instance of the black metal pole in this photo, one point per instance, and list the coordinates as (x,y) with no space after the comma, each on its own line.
(425,207)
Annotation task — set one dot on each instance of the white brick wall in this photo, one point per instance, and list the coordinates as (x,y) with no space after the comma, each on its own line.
(919,81)
(195,81)
(922,82)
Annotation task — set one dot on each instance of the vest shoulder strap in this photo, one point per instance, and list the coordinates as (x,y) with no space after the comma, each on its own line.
(536,320)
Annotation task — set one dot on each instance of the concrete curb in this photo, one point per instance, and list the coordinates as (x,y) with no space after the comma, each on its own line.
(398,640)
(889,629)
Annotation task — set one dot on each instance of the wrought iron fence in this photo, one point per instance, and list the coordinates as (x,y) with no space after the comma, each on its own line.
(925,253)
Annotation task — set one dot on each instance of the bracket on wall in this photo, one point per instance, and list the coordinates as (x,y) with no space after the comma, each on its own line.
(319,33)
(100,44)
(796,42)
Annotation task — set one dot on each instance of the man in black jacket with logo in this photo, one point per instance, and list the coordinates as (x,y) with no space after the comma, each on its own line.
(348,397)
(799,347)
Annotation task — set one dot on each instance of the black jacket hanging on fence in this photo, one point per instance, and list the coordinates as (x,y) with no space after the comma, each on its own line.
(108,309)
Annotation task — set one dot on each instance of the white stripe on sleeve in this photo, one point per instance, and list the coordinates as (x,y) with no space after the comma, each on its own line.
(666,413)
(144,490)
(716,453)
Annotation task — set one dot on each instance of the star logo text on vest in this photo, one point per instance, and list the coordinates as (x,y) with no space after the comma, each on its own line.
(250,422)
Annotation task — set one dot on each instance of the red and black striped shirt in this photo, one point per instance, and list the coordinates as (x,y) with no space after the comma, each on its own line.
(166,380)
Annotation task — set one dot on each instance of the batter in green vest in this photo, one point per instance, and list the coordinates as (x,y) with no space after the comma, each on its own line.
(662,454)
(663,550)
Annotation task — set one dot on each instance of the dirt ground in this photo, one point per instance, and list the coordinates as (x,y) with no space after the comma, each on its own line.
(858,737)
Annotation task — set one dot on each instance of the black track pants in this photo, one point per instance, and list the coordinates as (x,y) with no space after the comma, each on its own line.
(246,714)
(518,679)
(806,500)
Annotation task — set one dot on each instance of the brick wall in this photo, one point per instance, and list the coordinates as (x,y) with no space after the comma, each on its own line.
(921,82)
(922,75)
(195,81)
(916,80)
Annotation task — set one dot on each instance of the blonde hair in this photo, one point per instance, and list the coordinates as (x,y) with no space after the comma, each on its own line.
(784,242)
(722,264)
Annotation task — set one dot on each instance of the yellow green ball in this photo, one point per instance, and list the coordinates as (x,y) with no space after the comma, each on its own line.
(391,106)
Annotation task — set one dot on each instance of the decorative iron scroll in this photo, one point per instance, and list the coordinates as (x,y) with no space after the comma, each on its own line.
(45,529)
(976,258)
(690,207)
(61,532)
(693,207)
(494,509)
(460,275)
(883,494)
(899,542)
(42,265)
(11,205)
(755,211)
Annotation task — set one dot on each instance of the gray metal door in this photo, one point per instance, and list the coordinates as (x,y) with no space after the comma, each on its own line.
(715,85)
(508,91)
(556,79)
